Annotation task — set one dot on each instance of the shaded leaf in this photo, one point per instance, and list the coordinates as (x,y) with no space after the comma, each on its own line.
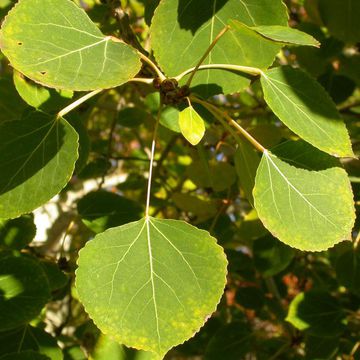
(61,47)
(246,163)
(250,297)
(37,159)
(24,291)
(25,355)
(321,348)
(29,338)
(17,233)
(183,30)
(304,106)
(154,284)
(341,18)
(317,313)
(39,97)
(271,256)
(101,210)
(348,270)
(308,210)
(232,342)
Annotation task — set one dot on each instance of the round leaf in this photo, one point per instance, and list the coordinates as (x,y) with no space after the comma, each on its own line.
(308,210)
(61,47)
(151,284)
(192,126)
(24,290)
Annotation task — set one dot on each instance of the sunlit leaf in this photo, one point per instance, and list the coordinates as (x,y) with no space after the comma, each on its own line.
(304,106)
(155,283)
(61,47)
(183,30)
(192,126)
(286,35)
(308,210)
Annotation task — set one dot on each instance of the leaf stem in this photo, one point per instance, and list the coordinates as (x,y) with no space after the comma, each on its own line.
(206,54)
(221,116)
(159,73)
(244,69)
(77,103)
(152,155)
(142,80)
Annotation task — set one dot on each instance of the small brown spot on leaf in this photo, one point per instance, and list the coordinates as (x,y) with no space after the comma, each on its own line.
(19,43)
(43,72)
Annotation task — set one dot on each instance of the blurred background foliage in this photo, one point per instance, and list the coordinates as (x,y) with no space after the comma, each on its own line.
(279,303)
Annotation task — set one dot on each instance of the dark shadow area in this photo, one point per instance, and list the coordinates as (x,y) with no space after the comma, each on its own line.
(26,147)
(102,210)
(305,156)
(23,291)
(192,14)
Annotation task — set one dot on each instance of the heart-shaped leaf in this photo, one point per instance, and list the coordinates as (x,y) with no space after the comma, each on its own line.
(151,284)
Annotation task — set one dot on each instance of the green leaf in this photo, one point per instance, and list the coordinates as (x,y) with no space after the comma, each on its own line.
(57,279)
(321,348)
(304,106)
(37,159)
(286,35)
(183,30)
(155,283)
(317,313)
(348,270)
(25,355)
(101,210)
(11,104)
(246,163)
(107,349)
(271,256)
(132,117)
(61,47)
(250,297)
(192,126)
(39,97)
(29,338)
(341,18)
(17,233)
(308,210)
(170,119)
(219,175)
(232,342)
(24,291)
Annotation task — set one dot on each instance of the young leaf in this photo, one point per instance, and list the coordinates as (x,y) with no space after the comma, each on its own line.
(308,210)
(37,159)
(286,35)
(151,284)
(317,313)
(304,106)
(192,126)
(21,279)
(61,47)
(183,30)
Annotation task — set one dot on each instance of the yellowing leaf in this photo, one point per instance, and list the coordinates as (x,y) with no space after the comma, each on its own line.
(151,284)
(192,126)
(308,210)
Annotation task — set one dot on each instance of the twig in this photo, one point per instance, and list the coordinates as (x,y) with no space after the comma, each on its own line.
(206,54)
